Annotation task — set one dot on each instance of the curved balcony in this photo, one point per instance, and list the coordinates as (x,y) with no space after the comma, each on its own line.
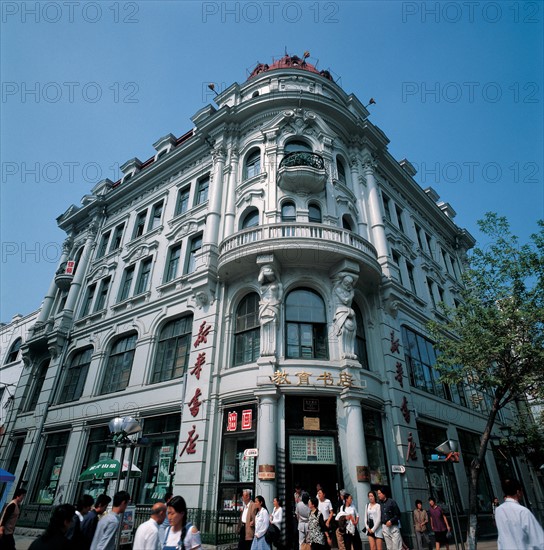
(302,171)
(308,245)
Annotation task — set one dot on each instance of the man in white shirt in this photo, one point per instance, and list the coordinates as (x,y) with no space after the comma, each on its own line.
(517,526)
(148,534)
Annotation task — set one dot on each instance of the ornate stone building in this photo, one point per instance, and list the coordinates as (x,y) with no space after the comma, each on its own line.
(257,294)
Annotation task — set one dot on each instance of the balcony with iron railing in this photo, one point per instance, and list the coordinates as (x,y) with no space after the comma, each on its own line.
(296,244)
(302,171)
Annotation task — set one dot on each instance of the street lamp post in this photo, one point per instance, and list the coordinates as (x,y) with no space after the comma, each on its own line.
(121,430)
(449,453)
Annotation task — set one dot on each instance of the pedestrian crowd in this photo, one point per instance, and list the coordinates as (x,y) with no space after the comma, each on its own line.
(319,525)
(87,526)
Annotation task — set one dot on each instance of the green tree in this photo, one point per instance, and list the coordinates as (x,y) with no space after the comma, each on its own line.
(494,340)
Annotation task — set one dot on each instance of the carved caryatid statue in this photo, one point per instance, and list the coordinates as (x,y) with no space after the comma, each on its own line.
(345,324)
(269,308)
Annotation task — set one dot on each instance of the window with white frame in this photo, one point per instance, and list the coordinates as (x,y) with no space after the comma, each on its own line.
(202,188)
(126,283)
(314,213)
(139,226)
(75,376)
(13,352)
(103,246)
(172,263)
(117,237)
(252,166)
(194,248)
(89,296)
(156,215)
(119,365)
(173,350)
(182,203)
(247,330)
(306,325)
(142,285)
(102,294)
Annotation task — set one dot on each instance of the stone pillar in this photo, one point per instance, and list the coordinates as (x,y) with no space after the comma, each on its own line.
(49,299)
(230,211)
(81,270)
(211,233)
(354,455)
(376,218)
(267,438)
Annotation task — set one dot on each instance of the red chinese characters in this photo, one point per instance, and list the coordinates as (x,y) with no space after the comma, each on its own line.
(247,419)
(199,363)
(202,336)
(190,444)
(195,403)
(232,421)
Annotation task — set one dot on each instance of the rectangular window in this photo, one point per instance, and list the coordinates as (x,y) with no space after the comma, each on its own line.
(103,244)
(103,294)
(196,245)
(50,468)
(126,283)
(375,447)
(431,293)
(399,218)
(418,235)
(140,224)
(441,293)
(420,358)
(183,201)
(386,207)
(98,447)
(76,375)
(117,237)
(411,279)
(143,278)
(86,309)
(172,263)
(396,261)
(429,245)
(156,216)
(119,365)
(202,190)
(157,460)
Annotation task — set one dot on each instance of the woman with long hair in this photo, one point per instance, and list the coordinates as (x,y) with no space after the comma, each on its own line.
(352,539)
(262,521)
(316,526)
(276,517)
(181,534)
(373,522)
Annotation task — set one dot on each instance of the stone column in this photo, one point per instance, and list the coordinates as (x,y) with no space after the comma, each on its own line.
(211,233)
(376,218)
(354,455)
(81,270)
(230,212)
(267,438)
(49,299)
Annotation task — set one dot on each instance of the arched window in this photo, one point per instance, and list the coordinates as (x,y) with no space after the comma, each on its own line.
(13,352)
(75,377)
(346,223)
(306,325)
(251,219)
(173,350)
(297,145)
(360,338)
(341,170)
(288,212)
(252,166)
(247,331)
(119,365)
(314,213)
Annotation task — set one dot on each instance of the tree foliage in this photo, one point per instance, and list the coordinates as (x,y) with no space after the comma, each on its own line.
(494,340)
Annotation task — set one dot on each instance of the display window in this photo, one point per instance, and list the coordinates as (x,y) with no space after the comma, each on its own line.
(375,449)
(237,456)
(50,468)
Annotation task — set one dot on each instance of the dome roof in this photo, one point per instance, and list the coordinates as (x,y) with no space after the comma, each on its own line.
(290,62)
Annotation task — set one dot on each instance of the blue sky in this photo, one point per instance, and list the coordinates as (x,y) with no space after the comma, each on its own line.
(89,85)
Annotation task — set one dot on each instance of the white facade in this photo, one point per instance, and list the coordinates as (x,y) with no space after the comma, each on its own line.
(167,316)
